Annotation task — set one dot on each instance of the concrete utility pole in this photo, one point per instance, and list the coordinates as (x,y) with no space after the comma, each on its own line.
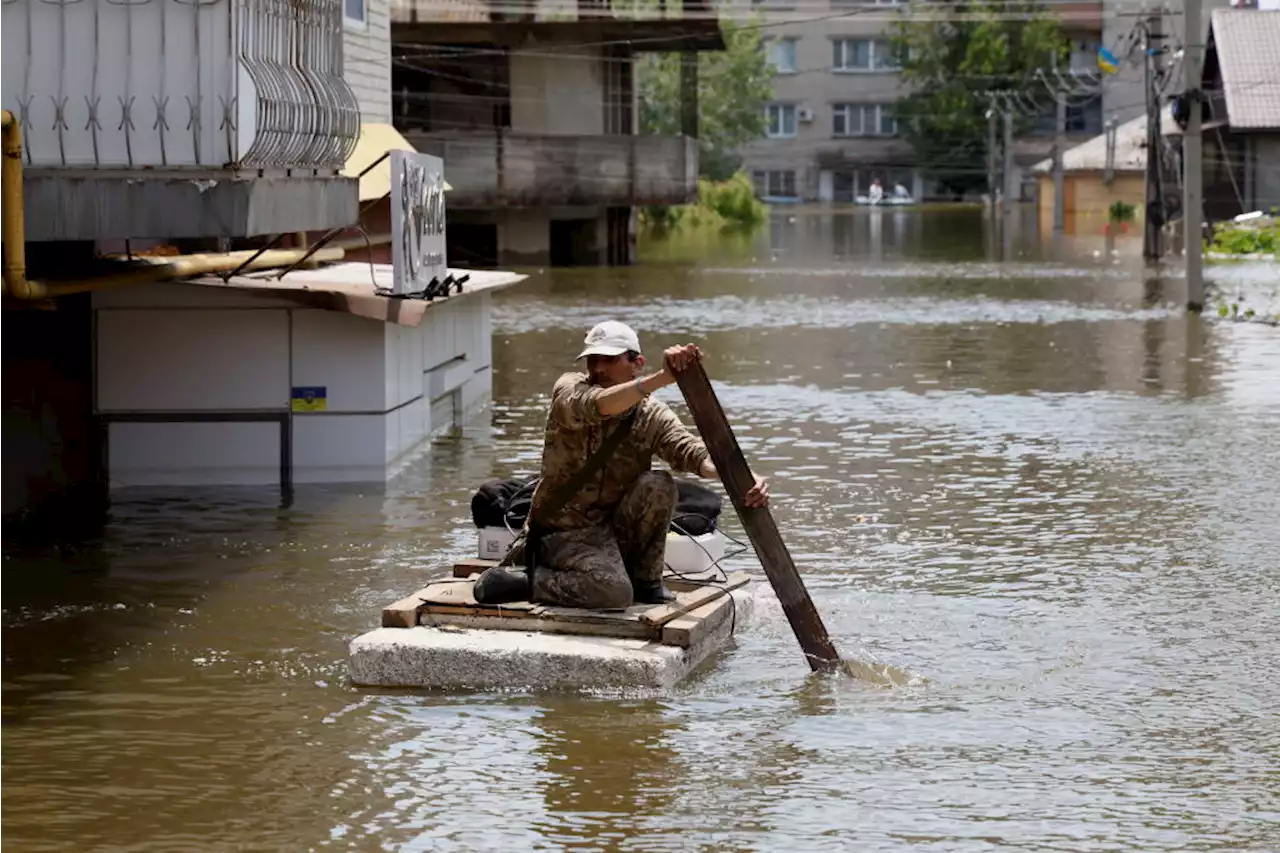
(1153,214)
(1059,149)
(991,160)
(1009,186)
(1192,153)
(1008,164)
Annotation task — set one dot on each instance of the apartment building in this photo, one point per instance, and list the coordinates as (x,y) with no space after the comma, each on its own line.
(535,113)
(831,130)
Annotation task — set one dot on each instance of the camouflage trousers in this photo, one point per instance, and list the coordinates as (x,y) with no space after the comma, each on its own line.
(595,566)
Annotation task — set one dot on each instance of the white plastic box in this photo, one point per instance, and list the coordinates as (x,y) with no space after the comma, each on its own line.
(684,554)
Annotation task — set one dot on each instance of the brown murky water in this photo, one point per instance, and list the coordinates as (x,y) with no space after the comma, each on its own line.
(1031,480)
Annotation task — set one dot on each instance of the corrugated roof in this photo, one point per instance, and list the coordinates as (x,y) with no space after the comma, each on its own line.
(1248,46)
(1131,149)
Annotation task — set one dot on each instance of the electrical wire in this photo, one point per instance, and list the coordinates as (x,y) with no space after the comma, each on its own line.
(863,13)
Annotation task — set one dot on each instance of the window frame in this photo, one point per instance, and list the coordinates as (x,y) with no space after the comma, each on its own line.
(876,47)
(772,44)
(360,23)
(762,181)
(882,113)
(782,107)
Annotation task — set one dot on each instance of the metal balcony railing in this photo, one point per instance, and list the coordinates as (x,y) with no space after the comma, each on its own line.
(214,84)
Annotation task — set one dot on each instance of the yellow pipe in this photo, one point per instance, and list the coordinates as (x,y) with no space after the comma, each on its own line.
(11,218)
(163,268)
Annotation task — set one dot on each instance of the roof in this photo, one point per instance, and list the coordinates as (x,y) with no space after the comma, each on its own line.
(350,288)
(375,140)
(1130,155)
(1247,42)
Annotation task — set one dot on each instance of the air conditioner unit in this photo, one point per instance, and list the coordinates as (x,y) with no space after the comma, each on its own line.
(804,114)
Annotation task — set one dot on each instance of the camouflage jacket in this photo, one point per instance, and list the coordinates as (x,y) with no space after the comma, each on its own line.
(576,429)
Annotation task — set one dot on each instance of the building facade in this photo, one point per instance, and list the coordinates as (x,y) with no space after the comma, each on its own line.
(162,140)
(535,115)
(831,127)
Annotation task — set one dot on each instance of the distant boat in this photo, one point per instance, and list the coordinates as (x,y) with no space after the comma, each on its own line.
(885,201)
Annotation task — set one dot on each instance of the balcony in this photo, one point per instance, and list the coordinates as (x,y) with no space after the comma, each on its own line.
(669,25)
(170,118)
(489,169)
(1079,16)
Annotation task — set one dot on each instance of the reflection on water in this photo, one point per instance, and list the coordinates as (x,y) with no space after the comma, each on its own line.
(1034,481)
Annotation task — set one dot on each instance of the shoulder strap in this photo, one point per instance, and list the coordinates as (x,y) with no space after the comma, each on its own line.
(561,496)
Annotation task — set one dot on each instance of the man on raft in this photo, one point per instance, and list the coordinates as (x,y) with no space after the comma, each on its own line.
(599,542)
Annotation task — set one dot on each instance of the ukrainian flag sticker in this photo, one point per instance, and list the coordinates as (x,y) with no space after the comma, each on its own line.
(310,398)
(1107,60)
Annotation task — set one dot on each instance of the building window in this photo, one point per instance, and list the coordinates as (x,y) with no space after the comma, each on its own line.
(1084,56)
(778,183)
(782,55)
(863,120)
(1085,117)
(354,11)
(861,55)
(781,121)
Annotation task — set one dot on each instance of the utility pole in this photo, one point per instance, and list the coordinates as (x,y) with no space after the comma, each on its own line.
(991,159)
(1009,189)
(1153,213)
(1059,149)
(1008,165)
(1192,153)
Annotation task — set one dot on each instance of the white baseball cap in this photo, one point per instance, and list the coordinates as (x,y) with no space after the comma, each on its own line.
(610,338)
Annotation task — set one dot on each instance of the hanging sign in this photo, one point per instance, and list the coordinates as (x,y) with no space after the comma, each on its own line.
(417,222)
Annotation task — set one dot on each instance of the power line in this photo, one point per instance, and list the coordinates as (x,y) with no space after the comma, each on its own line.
(863,13)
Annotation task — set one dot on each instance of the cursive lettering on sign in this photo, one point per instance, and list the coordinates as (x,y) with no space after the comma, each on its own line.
(418,221)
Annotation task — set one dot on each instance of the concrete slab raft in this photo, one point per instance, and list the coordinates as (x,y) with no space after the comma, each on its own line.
(453,657)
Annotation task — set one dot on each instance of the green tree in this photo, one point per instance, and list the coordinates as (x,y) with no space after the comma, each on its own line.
(950,60)
(733,87)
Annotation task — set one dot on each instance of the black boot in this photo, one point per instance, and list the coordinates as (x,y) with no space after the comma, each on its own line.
(651,593)
(502,585)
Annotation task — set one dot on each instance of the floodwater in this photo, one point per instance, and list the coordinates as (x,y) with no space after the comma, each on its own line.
(1029,479)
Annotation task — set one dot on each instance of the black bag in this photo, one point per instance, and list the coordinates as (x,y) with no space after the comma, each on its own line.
(697,509)
(505,503)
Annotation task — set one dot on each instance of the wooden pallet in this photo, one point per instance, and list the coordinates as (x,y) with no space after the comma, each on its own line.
(449,601)
(472,567)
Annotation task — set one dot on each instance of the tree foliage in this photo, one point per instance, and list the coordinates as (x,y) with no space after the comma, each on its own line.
(950,60)
(733,87)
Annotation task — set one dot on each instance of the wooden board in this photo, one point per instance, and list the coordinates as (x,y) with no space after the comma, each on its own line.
(692,600)
(451,601)
(403,613)
(698,625)
(473,566)
(761,529)
(678,583)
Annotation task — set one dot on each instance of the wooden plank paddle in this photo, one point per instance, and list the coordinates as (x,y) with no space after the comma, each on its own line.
(758,521)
